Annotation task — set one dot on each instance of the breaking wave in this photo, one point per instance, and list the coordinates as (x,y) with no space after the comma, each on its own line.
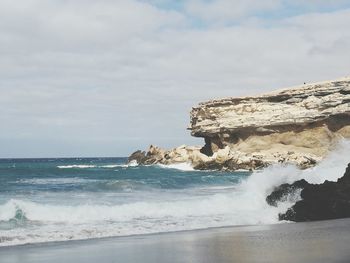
(81,166)
(56,181)
(178,166)
(195,208)
(86,166)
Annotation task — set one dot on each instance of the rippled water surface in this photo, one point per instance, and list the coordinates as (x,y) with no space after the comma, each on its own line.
(45,200)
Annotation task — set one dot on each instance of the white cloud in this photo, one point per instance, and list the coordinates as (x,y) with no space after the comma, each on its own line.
(319,3)
(118,75)
(221,11)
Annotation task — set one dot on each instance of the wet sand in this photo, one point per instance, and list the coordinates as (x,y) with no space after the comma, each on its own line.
(324,241)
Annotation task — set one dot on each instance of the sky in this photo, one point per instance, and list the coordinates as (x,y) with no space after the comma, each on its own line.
(105,78)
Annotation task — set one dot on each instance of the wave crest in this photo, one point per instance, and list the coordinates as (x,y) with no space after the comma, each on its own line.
(87,166)
(244,204)
(178,166)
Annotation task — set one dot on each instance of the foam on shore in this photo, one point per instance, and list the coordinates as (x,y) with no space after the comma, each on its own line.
(25,221)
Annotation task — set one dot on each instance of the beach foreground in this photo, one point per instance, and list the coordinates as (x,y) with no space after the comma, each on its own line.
(323,241)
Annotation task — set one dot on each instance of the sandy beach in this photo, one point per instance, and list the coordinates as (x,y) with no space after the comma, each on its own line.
(323,241)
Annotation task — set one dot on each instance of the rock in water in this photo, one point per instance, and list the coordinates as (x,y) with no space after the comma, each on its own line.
(282,191)
(330,200)
(298,126)
(138,156)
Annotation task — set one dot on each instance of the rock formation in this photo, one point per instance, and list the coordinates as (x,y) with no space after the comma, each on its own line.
(298,125)
(181,154)
(330,200)
(281,192)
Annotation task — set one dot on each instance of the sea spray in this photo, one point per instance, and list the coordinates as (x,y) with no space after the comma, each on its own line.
(171,200)
(178,166)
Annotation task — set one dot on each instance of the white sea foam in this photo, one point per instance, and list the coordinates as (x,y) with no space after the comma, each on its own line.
(177,166)
(113,165)
(245,204)
(81,166)
(133,163)
(61,222)
(86,166)
(56,181)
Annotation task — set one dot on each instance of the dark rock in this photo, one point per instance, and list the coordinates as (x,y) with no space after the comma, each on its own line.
(138,156)
(206,149)
(330,200)
(212,165)
(280,192)
(250,165)
(231,165)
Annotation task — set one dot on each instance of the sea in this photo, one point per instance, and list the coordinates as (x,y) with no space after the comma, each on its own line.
(60,199)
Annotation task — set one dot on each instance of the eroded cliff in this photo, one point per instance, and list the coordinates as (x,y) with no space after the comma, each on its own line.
(298,125)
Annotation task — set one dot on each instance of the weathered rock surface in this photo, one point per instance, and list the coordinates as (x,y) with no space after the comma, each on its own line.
(297,126)
(271,112)
(330,200)
(181,154)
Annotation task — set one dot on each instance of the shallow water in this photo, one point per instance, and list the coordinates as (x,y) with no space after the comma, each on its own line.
(312,242)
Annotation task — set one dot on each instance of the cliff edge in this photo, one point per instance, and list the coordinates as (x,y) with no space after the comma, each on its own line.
(298,125)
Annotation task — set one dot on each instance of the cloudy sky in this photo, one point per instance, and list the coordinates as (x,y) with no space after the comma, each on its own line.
(103,77)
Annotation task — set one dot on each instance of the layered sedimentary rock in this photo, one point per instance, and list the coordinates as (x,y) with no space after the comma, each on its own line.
(271,112)
(298,125)
(330,200)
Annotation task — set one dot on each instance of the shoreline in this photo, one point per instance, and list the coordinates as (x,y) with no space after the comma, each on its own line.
(107,238)
(320,241)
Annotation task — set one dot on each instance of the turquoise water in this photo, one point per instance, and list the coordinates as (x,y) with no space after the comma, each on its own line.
(44,200)
(59,199)
(32,177)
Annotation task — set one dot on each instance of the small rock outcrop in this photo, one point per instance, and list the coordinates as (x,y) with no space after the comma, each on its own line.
(181,154)
(299,126)
(138,156)
(282,191)
(329,200)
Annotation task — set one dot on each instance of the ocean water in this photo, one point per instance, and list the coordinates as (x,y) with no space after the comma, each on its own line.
(44,200)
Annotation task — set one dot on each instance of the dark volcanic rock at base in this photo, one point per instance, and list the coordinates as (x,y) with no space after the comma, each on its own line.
(330,200)
(138,156)
(283,190)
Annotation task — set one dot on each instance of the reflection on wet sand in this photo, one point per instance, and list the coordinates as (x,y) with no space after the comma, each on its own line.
(324,241)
